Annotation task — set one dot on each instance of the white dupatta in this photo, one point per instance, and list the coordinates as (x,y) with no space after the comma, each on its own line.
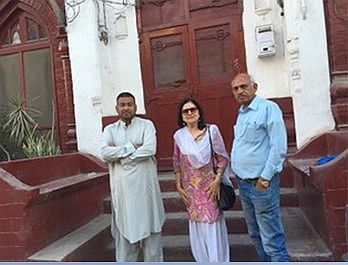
(199,152)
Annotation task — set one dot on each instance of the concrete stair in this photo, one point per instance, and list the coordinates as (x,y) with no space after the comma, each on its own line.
(303,242)
(88,243)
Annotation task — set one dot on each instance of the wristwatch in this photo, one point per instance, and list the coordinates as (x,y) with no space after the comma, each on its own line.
(263,182)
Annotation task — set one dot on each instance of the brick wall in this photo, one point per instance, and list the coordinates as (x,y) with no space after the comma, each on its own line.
(323,190)
(37,209)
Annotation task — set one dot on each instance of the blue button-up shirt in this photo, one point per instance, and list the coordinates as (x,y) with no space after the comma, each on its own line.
(260,142)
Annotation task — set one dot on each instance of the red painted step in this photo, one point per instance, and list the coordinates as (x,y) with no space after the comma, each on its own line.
(173,203)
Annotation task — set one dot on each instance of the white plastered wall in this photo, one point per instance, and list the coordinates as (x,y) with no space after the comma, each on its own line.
(121,61)
(268,72)
(100,72)
(300,67)
(308,68)
(85,50)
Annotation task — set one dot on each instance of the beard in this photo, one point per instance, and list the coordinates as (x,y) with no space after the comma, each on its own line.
(127,116)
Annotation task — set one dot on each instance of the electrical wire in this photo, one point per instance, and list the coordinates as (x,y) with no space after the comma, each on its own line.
(73,7)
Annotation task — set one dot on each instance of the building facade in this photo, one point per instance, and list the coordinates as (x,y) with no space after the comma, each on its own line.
(86,52)
(113,41)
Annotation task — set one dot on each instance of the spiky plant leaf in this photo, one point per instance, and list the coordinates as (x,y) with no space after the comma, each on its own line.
(19,120)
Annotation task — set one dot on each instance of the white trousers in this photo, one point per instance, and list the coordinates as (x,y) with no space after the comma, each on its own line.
(209,242)
(127,252)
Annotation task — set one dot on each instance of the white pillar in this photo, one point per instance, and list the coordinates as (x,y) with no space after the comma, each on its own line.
(308,67)
(84,51)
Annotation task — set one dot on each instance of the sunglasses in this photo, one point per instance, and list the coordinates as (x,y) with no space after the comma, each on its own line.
(191,110)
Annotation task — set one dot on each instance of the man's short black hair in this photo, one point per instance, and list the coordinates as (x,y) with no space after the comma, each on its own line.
(125,95)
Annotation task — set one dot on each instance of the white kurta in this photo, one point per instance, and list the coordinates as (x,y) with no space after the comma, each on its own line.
(136,196)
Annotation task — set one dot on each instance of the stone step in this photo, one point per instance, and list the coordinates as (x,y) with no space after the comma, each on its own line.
(173,203)
(93,241)
(303,242)
(167,179)
(87,243)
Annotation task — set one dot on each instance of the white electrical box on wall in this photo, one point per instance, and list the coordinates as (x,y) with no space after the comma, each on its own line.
(265,41)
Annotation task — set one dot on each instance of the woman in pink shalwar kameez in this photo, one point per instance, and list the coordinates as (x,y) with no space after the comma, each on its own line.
(197,183)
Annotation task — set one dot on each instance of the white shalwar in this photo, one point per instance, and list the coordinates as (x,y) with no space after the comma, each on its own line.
(209,242)
(192,158)
(136,196)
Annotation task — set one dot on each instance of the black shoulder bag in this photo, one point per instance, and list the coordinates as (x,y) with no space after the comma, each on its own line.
(227,194)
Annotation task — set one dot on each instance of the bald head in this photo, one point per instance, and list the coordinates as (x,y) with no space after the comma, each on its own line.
(243,76)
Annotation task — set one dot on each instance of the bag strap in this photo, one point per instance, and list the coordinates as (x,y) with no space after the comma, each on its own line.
(211,150)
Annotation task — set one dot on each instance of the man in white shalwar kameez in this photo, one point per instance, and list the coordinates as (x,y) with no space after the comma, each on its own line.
(129,147)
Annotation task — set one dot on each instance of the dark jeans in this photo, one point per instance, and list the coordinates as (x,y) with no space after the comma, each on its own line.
(262,214)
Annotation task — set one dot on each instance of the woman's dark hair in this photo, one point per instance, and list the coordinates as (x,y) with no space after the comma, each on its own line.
(201,122)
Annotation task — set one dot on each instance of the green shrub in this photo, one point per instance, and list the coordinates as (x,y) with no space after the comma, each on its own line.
(19,136)
(42,145)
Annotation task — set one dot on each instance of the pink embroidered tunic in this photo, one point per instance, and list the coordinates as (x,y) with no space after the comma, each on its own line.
(195,181)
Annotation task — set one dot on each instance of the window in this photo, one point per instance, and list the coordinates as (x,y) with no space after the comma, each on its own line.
(25,65)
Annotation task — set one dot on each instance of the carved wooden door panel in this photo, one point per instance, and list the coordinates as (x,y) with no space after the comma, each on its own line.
(218,54)
(166,78)
(189,48)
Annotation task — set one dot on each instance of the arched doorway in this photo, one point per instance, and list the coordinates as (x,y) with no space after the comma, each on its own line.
(34,63)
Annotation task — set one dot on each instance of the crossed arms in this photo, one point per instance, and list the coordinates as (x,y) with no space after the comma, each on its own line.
(129,152)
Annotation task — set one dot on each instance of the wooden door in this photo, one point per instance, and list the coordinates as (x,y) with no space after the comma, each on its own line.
(190,48)
(166,77)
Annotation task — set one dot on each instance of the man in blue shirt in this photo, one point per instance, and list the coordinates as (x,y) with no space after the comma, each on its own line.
(257,156)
